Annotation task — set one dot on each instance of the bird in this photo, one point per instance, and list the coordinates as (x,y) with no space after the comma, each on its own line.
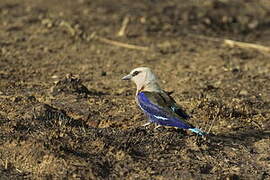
(157,104)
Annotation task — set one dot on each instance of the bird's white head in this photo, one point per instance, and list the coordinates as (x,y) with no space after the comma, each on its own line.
(144,79)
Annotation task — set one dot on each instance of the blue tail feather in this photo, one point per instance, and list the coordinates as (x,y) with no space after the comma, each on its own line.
(197,131)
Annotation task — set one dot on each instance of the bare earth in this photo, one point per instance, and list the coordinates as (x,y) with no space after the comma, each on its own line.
(65,113)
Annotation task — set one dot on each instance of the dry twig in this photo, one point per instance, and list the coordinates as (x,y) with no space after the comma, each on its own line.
(122,31)
(233,43)
(120,44)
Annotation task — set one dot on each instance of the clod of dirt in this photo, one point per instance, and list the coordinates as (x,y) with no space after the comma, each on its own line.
(55,117)
(45,112)
(70,85)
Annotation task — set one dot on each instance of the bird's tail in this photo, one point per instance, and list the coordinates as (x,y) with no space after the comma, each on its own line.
(197,131)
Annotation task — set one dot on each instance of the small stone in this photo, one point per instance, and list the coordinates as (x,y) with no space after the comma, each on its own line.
(47,22)
(54,77)
(243,92)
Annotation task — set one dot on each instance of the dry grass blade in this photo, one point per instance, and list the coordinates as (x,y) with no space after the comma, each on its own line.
(211,126)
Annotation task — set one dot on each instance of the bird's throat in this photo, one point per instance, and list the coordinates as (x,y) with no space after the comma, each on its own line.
(150,87)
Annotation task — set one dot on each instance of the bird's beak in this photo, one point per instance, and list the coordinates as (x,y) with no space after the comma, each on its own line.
(127,77)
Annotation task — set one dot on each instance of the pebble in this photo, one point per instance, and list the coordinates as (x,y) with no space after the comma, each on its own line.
(243,92)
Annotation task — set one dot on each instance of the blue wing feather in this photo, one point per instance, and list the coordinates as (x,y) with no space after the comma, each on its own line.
(160,115)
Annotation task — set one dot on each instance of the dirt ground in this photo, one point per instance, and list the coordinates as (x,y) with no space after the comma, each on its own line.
(65,113)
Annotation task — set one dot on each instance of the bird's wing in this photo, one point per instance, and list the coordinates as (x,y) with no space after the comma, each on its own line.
(152,104)
(172,104)
(161,107)
(167,103)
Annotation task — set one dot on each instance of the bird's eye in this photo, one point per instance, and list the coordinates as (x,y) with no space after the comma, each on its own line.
(135,73)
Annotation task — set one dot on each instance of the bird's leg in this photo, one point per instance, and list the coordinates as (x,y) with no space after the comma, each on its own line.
(157,126)
(146,124)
